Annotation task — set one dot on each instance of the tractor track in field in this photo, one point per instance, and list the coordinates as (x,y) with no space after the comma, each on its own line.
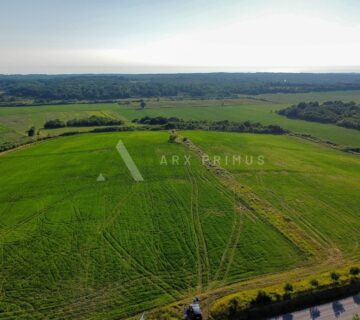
(114,215)
(262,209)
(203,269)
(318,257)
(83,305)
(236,242)
(138,267)
(321,239)
(231,243)
(33,216)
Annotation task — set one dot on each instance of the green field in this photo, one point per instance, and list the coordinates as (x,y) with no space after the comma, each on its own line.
(351,95)
(14,121)
(315,186)
(73,247)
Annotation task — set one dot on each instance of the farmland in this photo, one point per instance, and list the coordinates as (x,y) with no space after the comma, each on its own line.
(68,240)
(75,247)
(14,121)
(314,186)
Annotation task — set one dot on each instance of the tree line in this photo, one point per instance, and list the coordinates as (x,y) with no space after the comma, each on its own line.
(92,121)
(222,125)
(344,114)
(70,88)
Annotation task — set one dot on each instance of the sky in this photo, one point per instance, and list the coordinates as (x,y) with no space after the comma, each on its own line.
(162,36)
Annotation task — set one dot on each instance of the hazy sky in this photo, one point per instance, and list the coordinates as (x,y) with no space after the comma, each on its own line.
(78,36)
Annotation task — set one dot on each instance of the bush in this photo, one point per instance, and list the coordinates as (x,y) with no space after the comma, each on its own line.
(288,287)
(335,276)
(287,296)
(233,306)
(354,271)
(314,283)
(52,124)
(31,131)
(261,298)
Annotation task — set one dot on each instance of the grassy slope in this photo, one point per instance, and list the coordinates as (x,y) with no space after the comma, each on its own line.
(317,187)
(74,247)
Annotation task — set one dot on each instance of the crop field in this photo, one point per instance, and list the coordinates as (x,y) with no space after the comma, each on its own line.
(313,185)
(72,246)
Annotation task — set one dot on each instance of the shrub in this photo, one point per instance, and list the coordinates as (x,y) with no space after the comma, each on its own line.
(314,283)
(287,296)
(354,271)
(52,124)
(288,287)
(261,298)
(334,276)
(233,306)
(31,131)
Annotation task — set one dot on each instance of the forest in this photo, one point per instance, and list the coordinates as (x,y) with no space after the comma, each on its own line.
(41,89)
(344,114)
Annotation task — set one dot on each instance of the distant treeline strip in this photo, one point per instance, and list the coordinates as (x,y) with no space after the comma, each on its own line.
(41,89)
(343,114)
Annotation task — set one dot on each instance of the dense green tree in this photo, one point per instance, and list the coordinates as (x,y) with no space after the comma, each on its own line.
(31,131)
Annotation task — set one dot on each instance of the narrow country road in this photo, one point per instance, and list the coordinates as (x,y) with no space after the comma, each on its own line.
(337,310)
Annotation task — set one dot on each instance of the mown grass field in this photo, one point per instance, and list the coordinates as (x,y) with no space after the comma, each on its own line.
(73,247)
(14,121)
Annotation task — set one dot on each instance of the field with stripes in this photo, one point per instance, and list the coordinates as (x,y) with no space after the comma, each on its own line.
(75,247)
